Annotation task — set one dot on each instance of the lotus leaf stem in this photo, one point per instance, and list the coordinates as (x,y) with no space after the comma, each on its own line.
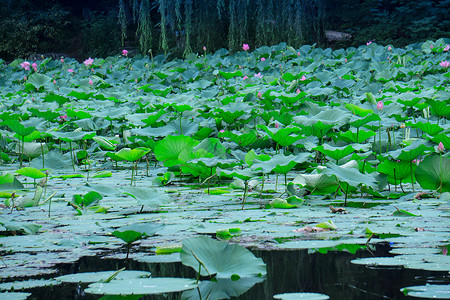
(201,263)
(114,275)
(245,193)
(412,175)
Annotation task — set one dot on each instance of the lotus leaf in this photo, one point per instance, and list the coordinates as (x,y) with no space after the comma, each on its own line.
(144,286)
(433,173)
(429,291)
(220,258)
(306,296)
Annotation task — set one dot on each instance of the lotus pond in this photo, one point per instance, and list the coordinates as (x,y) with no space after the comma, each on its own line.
(148,176)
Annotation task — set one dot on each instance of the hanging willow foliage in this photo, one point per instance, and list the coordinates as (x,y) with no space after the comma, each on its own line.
(144,29)
(122,20)
(186,25)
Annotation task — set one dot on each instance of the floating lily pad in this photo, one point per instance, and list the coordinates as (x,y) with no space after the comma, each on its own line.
(429,291)
(306,296)
(14,296)
(90,277)
(144,286)
(27,284)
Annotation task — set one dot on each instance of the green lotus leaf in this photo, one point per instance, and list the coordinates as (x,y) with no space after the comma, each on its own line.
(47,115)
(411,152)
(14,296)
(25,227)
(244,174)
(132,154)
(90,198)
(317,183)
(433,173)
(282,136)
(327,225)
(281,203)
(38,80)
(431,129)
(359,122)
(306,296)
(242,139)
(338,153)
(18,128)
(56,98)
(104,143)
(220,258)
(73,135)
(429,291)
(229,75)
(31,172)
(6,178)
(53,160)
(27,284)
(439,107)
(213,146)
(90,277)
(80,95)
(251,156)
(169,149)
(102,174)
(78,114)
(356,136)
(143,286)
(147,196)
(396,170)
(280,163)
(135,232)
(31,137)
(350,176)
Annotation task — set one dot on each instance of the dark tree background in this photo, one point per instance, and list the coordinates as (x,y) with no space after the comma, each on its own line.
(103,27)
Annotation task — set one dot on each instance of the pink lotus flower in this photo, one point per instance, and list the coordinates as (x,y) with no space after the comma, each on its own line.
(389,48)
(245,77)
(245,47)
(346,60)
(380,105)
(440,147)
(62,118)
(25,65)
(125,52)
(88,62)
(25,77)
(54,81)
(445,64)
(259,75)
(259,95)
(204,48)
(447,48)
(297,91)
(277,125)
(263,59)
(91,82)
(431,46)
(34,65)
(368,43)
(222,131)
(303,78)
(70,70)
(298,53)
(62,60)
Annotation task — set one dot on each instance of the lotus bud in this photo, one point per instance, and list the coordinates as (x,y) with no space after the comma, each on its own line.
(440,148)
(380,105)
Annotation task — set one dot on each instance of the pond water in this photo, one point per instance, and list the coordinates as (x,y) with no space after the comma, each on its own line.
(287,271)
